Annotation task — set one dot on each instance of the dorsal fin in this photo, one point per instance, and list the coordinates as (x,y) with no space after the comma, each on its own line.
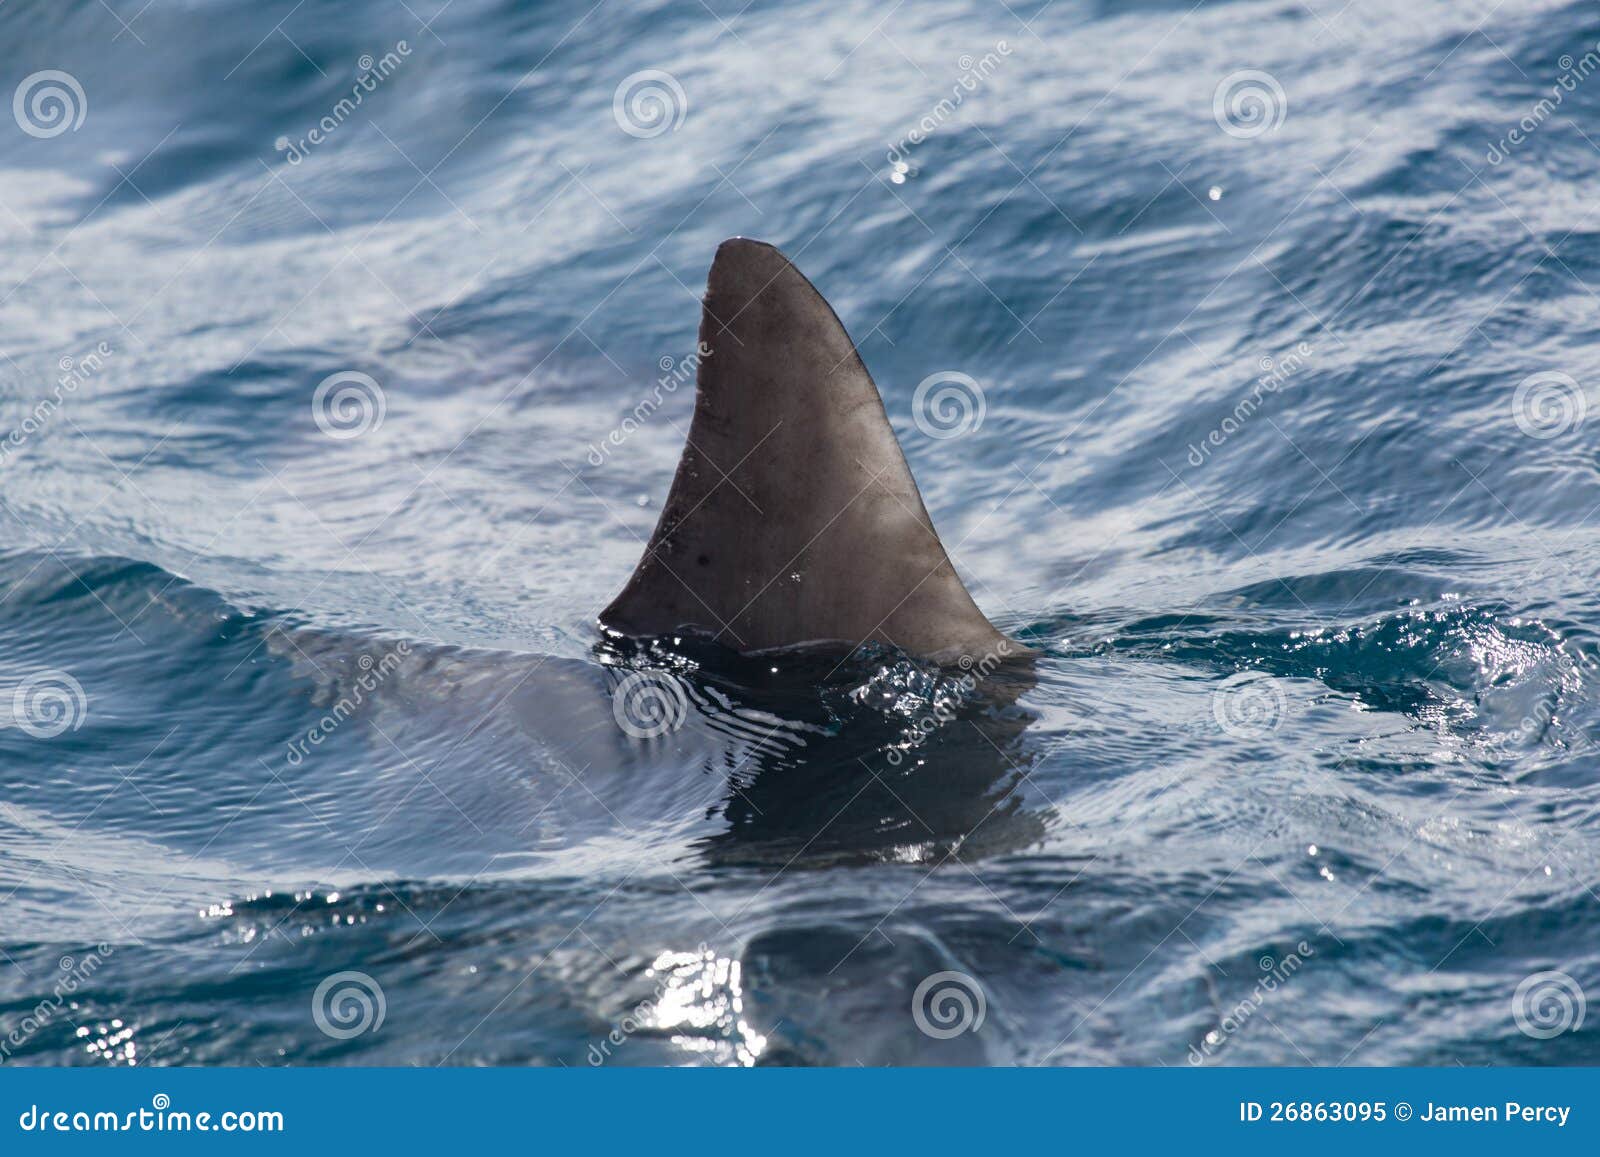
(793,517)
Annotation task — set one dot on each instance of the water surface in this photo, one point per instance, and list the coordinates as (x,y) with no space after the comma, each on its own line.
(1317,682)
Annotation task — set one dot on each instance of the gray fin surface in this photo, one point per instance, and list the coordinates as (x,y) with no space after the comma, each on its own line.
(793,517)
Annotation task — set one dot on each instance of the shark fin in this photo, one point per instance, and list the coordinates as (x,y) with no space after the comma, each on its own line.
(793,517)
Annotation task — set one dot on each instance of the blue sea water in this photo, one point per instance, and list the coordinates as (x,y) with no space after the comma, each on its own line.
(1282,317)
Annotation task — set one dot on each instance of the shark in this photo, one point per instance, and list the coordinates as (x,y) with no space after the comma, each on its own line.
(793,519)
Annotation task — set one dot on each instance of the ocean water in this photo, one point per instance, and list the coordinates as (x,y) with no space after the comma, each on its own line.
(1277,322)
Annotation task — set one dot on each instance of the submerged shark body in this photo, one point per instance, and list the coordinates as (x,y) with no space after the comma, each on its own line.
(793,518)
